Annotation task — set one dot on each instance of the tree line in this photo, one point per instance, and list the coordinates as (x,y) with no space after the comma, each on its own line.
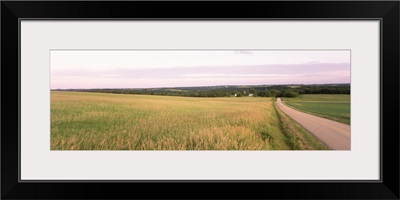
(231,91)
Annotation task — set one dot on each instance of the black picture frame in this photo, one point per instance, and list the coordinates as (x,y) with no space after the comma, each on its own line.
(386,11)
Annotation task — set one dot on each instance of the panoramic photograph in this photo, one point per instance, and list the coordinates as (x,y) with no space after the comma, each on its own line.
(200,100)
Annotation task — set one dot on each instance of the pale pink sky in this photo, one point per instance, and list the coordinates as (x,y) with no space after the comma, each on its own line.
(172,68)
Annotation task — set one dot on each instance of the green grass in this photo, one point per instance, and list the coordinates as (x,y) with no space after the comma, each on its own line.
(85,121)
(322,97)
(98,121)
(335,107)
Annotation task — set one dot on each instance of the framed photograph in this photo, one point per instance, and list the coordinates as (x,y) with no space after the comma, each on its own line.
(117,98)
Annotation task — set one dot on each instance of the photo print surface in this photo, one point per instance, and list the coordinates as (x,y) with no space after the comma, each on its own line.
(200,99)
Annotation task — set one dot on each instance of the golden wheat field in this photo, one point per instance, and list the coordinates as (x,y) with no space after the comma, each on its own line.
(98,121)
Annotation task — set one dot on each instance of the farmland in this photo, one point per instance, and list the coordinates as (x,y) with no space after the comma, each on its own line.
(101,121)
(335,107)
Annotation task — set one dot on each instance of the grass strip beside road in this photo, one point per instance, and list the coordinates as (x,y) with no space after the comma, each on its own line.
(299,138)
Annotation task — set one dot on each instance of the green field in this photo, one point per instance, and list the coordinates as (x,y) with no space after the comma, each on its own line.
(335,107)
(97,121)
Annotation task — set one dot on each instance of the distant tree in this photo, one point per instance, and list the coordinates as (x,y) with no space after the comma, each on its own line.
(272,93)
(261,93)
(290,93)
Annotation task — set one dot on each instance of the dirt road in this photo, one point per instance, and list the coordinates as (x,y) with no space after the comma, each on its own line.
(333,134)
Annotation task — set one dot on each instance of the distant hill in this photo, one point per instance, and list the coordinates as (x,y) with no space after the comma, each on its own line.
(230,90)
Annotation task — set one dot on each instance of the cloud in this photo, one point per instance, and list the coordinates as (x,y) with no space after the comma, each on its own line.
(242,52)
(212,75)
(232,75)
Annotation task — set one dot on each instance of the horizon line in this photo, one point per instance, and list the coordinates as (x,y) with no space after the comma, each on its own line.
(201,86)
